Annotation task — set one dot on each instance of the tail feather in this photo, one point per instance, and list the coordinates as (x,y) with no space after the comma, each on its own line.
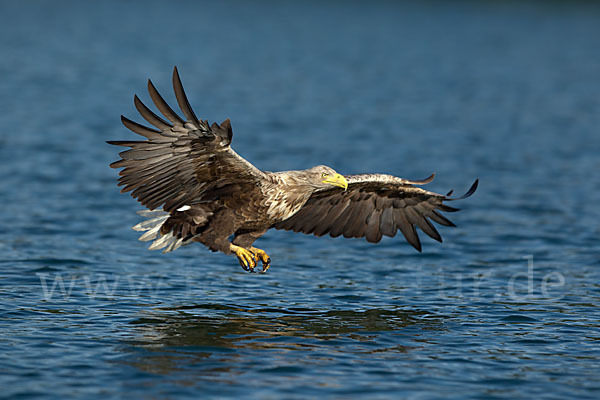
(173,245)
(152,227)
(150,224)
(163,241)
(151,234)
(151,213)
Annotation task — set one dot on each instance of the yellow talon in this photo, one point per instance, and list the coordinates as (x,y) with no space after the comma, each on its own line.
(263,257)
(246,258)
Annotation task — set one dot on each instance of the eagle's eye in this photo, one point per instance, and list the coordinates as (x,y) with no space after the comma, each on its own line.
(324,175)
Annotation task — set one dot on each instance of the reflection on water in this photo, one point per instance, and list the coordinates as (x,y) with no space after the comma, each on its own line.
(176,337)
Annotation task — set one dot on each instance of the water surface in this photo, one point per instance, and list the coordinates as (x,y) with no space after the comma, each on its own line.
(506,307)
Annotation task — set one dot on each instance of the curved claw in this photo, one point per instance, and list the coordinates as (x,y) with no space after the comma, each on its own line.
(266,266)
(246,258)
(263,257)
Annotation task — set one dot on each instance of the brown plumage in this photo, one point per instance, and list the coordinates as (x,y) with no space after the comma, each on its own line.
(196,188)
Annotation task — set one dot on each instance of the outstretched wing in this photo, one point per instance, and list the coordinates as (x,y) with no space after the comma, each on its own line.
(374,205)
(182,162)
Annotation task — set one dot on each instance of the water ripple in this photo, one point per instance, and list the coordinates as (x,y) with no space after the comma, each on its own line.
(506,307)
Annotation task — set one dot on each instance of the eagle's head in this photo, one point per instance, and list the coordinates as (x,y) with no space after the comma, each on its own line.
(323,177)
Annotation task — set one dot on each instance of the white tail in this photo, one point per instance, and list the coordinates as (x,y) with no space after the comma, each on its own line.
(151,226)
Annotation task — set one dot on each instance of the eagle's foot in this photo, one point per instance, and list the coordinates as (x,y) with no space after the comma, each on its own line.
(246,258)
(262,256)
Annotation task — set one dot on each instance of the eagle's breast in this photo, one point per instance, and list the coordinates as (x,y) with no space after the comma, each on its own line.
(284,198)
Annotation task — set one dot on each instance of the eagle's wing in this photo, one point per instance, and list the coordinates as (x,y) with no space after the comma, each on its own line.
(374,205)
(182,162)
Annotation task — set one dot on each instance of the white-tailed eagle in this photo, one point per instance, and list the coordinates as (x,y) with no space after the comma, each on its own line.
(197,189)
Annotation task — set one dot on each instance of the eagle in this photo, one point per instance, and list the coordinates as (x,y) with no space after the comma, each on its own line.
(196,188)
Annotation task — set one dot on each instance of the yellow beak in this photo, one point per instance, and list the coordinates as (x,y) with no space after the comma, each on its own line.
(337,180)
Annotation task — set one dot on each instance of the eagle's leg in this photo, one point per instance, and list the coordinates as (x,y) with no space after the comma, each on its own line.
(263,257)
(246,258)
(245,238)
(216,238)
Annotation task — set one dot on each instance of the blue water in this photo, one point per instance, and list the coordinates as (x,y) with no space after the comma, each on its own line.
(507,307)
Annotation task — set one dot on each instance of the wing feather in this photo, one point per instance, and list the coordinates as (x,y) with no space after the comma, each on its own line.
(373,233)
(440,219)
(149,115)
(183,162)
(162,105)
(141,129)
(332,214)
(407,229)
(419,220)
(387,226)
(356,224)
(182,99)
(337,227)
(374,205)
